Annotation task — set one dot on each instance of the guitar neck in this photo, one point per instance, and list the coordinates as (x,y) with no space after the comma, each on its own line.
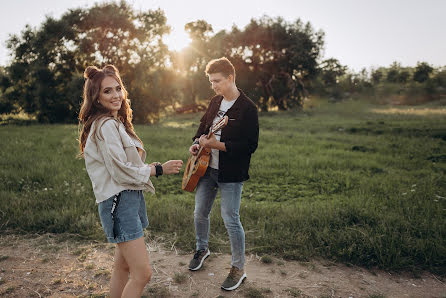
(210,134)
(219,125)
(199,151)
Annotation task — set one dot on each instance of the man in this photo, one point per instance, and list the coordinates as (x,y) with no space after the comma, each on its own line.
(228,168)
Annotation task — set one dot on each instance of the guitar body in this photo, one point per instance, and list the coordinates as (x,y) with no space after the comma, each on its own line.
(197,164)
(195,168)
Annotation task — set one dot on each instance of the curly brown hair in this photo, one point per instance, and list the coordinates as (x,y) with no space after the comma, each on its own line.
(92,110)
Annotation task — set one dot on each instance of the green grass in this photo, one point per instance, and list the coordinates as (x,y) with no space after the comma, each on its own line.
(266,259)
(337,181)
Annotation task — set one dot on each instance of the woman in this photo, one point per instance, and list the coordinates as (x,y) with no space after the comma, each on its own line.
(114,159)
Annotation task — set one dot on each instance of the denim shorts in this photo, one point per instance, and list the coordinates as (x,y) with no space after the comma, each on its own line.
(130,216)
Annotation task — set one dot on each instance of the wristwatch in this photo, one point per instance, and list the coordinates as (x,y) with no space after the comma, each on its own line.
(158,170)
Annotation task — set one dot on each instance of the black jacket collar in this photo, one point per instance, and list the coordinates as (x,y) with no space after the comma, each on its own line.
(217,102)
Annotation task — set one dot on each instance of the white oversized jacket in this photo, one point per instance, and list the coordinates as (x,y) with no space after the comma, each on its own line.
(112,160)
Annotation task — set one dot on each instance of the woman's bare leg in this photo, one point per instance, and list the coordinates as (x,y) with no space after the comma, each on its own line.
(135,255)
(120,275)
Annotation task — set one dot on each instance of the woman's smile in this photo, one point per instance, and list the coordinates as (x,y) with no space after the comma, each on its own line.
(111,95)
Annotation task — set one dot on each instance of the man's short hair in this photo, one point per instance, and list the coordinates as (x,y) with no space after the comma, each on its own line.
(222,65)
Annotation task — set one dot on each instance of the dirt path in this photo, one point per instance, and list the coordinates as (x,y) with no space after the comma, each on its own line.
(49,266)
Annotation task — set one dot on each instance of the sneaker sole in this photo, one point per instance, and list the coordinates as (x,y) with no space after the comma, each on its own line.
(242,279)
(202,260)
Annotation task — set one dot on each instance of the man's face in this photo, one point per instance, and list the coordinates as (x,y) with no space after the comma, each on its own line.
(220,83)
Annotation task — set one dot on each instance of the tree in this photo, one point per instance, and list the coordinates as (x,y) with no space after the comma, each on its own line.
(46,71)
(191,62)
(330,73)
(377,75)
(275,59)
(440,78)
(331,70)
(5,105)
(38,71)
(397,74)
(422,72)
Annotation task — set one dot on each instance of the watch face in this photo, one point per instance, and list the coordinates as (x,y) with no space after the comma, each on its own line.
(158,170)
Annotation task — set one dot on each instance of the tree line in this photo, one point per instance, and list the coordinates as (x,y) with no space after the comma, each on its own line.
(278,64)
(394,84)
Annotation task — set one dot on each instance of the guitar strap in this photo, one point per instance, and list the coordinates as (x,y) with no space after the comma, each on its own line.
(114,208)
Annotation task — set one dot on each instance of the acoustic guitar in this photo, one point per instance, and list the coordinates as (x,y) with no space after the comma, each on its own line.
(197,164)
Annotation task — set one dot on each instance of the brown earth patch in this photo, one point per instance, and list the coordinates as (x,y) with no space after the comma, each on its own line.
(55,266)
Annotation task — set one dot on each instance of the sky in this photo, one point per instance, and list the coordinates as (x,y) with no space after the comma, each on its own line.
(359,33)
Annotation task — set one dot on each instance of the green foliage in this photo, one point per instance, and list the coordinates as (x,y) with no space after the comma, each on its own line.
(328,82)
(6,106)
(394,84)
(377,75)
(275,59)
(397,74)
(45,76)
(331,70)
(422,72)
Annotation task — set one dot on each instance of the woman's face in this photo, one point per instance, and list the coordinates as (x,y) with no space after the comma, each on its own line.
(111,95)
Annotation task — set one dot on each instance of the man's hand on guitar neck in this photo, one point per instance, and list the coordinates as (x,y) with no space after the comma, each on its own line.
(211,142)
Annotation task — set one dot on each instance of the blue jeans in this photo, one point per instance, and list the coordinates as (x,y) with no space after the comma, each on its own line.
(230,205)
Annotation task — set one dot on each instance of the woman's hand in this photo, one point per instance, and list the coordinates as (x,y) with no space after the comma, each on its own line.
(172,167)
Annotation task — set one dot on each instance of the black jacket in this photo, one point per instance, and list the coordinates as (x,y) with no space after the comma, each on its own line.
(240,136)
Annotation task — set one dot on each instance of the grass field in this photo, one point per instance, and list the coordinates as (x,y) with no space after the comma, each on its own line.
(352,182)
